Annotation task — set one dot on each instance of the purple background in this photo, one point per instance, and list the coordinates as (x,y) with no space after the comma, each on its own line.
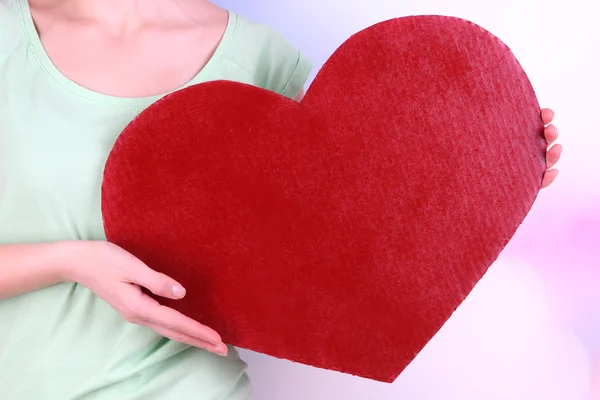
(531,328)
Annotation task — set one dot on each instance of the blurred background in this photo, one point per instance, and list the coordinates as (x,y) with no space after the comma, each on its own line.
(531,328)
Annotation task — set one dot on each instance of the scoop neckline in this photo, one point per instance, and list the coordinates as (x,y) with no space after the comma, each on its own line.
(35,42)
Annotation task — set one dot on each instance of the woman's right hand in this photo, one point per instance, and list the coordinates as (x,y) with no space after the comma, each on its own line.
(117,277)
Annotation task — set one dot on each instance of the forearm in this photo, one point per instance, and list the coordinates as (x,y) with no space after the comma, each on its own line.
(29,267)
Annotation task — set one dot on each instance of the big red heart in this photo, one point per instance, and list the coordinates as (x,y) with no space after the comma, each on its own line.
(342,231)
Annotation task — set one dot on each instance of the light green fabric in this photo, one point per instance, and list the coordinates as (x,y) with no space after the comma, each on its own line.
(64,342)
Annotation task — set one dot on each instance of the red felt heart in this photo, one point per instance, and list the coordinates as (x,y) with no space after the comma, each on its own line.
(341,232)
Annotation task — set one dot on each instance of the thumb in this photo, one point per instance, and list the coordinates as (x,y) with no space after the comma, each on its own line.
(158,283)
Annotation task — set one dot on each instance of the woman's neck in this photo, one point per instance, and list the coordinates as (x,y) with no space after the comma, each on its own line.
(123,16)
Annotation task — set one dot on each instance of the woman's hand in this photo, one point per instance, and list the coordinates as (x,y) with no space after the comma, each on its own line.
(118,277)
(553,153)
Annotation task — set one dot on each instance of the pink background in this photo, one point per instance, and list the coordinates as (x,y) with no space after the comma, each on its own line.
(531,328)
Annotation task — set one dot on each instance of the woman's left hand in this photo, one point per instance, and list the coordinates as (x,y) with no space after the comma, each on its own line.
(554,151)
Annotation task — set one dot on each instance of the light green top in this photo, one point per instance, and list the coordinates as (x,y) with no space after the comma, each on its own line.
(63,342)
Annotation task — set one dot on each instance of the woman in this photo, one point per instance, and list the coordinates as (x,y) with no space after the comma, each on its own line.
(74,323)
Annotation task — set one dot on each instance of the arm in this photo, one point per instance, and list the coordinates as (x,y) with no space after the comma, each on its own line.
(28,267)
(112,274)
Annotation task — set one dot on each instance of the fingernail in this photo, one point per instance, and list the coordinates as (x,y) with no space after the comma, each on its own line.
(178,291)
(221,350)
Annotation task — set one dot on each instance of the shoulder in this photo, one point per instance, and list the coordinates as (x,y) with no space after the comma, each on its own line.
(11,30)
(273,61)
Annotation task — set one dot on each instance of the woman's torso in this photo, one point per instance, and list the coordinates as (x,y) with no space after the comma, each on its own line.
(63,342)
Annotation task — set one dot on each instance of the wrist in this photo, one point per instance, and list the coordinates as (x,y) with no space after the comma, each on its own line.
(68,257)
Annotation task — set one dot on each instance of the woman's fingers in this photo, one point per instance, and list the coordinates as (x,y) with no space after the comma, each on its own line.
(220,349)
(553,155)
(551,134)
(158,283)
(547,115)
(142,309)
(549,177)
(155,314)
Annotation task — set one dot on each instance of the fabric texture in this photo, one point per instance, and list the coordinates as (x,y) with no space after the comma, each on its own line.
(63,342)
(342,231)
